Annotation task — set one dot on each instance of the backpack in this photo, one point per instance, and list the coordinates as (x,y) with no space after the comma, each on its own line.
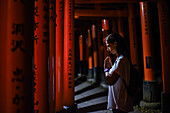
(135,86)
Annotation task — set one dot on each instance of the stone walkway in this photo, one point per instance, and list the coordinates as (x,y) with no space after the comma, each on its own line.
(91,98)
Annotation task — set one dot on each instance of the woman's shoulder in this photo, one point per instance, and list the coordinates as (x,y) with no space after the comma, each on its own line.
(123,58)
(124,61)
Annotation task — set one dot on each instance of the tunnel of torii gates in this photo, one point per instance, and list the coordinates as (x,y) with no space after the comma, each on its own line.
(37,52)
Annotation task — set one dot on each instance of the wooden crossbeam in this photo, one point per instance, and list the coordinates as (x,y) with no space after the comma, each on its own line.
(100,13)
(110,1)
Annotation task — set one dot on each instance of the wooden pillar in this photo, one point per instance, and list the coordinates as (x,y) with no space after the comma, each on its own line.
(19,49)
(146,35)
(90,60)
(3,49)
(95,55)
(149,83)
(105,29)
(81,51)
(121,26)
(85,52)
(133,36)
(100,44)
(100,52)
(69,54)
(165,47)
(59,47)
(114,25)
(52,16)
(41,56)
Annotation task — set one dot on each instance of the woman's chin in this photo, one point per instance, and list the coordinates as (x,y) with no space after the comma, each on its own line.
(113,53)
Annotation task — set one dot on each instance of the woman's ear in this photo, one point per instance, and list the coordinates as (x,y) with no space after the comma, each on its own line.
(115,43)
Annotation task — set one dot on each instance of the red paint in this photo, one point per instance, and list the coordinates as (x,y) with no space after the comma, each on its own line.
(100,44)
(120,26)
(51,54)
(94,38)
(89,50)
(41,56)
(59,55)
(115,25)
(3,53)
(81,47)
(105,24)
(133,36)
(19,48)
(148,75)
(69,53)
(105,33)
(165,45)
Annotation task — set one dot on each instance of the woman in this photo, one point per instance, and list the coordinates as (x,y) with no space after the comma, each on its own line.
(118,99)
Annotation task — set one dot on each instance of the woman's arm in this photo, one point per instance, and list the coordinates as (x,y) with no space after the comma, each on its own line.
(111,78)
(107,63)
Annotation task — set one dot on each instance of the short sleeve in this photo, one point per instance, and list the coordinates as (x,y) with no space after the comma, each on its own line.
(122,68)
(117,67)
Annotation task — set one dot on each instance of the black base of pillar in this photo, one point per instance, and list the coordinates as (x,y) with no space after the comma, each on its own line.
(96,75)
(69,109)
(63,111)
(150,93)
(81,66)
(78,80)
(102,75)
(150,105)
(103,82)
(165,102)
(85,67)
(90,76)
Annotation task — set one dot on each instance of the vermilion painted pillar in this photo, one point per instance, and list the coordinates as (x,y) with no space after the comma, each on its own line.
(85,52)
(90,60)
(149,84)
(69,54)
(120,26)
(59,43)
(95,55)
(165,47)
(52,17)
(41,56)
(115,30)
(105,29)
(133,36)
(146,35)
(100,43)
(100,52)
(114,25)
(81,54)
(81,47)
(3,42)
(19,49)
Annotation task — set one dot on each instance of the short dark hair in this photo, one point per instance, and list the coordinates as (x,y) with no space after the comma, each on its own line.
(121,42)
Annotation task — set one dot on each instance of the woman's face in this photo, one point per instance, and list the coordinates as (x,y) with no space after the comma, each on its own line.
(111,47)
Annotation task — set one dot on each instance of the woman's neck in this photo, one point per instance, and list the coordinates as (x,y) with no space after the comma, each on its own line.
(117,55)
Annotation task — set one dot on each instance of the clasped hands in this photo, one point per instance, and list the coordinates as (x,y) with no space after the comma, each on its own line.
(107,63)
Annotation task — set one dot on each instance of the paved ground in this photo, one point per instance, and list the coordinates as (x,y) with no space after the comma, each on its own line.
(91,98)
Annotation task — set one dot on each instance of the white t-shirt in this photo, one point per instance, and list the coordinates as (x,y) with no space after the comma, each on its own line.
(117,94)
